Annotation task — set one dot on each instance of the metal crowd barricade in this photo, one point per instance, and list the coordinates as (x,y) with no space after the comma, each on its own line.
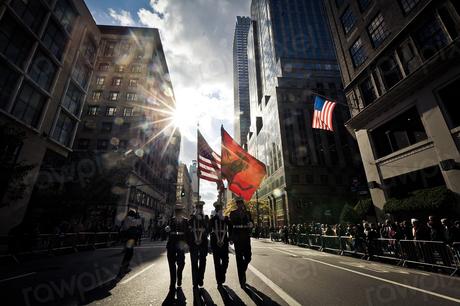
(84,240)
(385,248)
(456,250)
(347,244)
(25,245)
(429,253)
(65,241)
(5,253)
(303,240)
(352,245)
(101,239)
(315,241)
(331,243)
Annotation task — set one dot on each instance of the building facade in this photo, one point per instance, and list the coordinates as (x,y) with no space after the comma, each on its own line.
(241,81)
(184,192)
(127,120)
(194,176)
(291,59)
(47,55)
(400,68)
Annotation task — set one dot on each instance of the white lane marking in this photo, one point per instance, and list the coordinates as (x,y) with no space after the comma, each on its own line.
(16,277)
(449,298)
(280,292)
(374,268)
(137,274)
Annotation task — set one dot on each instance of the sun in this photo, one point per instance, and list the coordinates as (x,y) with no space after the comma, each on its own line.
(185,116)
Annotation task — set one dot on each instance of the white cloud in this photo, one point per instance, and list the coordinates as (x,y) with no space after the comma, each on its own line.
(122,17)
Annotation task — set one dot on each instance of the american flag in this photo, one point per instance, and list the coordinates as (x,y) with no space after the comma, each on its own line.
(322,115)
(208,162)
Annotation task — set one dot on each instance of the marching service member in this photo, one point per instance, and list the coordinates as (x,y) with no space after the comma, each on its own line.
(241,236)
(219,226)
(176,246)
(198,242)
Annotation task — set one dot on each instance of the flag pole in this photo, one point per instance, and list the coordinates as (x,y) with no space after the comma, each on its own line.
(198,160)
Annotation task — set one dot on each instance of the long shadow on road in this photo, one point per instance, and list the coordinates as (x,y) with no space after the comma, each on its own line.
(74,279)
(229,297)
(175,300)
(259,298)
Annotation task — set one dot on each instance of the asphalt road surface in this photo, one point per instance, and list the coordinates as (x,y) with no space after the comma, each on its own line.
(278,275)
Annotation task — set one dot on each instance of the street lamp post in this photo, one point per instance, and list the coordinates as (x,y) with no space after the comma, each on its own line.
(257,207)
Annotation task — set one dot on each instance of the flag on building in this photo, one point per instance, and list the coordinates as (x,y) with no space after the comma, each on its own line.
(322,114)
(243,172)
(208,162)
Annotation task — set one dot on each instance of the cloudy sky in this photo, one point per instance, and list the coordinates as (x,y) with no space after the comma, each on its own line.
(197,36)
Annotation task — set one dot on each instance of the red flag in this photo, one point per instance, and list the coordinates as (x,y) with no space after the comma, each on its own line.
(243,172)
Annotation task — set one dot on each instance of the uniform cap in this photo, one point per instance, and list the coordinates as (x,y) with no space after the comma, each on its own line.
(218,204)
(199,204)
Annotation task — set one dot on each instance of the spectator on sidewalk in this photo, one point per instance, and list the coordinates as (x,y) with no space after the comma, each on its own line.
(419,231)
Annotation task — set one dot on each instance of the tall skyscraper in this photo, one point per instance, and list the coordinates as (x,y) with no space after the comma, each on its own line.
(400,66)
(241,81)
(48,50)
(184,189)
(193,170)
(291,59)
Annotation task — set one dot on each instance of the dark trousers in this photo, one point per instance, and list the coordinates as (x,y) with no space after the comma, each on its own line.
(243,258)
(129,252)
(175,256)
(198,259)
(220,255)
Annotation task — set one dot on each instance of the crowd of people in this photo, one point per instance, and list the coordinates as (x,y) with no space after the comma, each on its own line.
(434,229)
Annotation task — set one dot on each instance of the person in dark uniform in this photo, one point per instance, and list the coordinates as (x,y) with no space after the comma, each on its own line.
(241,236)
(176,246)
(198,242)
(130,229)
(219,227)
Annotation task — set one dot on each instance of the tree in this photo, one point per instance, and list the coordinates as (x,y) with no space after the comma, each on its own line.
(364,208)
(12,172)
(423,202)
(349,215)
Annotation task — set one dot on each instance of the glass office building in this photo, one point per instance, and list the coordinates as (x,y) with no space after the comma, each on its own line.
(291,58)
(240,80)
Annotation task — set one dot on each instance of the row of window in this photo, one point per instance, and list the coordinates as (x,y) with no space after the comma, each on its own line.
(141,198)
(349,19)
(106,127)
(116,81)
(116,48)
(429,38)
(102,144)
(135,68)
(407,128)
(114,96)
(16,44)
(391,68)
(378,32)
(110,111)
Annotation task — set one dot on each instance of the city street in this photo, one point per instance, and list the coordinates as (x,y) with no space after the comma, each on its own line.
(278,275)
